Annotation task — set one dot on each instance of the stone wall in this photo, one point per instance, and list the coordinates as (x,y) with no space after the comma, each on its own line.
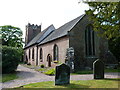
(77,41)
(62,43)
(30,60)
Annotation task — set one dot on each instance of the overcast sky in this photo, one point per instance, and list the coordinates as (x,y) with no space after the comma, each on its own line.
(57,12)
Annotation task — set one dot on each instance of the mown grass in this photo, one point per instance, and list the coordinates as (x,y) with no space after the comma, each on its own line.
(8,77)
(51,71)
(91,71)
(104,83)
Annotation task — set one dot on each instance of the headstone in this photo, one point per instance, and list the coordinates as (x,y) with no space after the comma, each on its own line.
(70,58)
(62,75)
(98,69)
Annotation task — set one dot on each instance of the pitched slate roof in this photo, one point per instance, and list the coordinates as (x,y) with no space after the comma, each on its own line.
(62,31)
(41,36)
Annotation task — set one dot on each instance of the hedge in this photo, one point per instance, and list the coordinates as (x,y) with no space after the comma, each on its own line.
(10,59)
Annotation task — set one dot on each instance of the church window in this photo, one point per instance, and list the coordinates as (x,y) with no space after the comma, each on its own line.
(55,52)
(41,54)
(33,54)
(89,41)
(29,53)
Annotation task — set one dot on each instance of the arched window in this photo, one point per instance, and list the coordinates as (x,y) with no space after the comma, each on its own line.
(55,52)
(29,53)
(89,41)
(41,54)
(49,59)
(33,54)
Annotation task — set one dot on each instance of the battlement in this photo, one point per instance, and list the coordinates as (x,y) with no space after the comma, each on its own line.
(31,31)
(33,26)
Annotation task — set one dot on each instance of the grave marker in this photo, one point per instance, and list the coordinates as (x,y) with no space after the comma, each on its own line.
(98,69)
(62,75)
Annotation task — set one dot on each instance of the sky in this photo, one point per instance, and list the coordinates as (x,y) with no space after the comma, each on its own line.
(19,13)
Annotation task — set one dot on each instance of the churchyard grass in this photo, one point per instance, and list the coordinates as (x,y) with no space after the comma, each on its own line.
(91,71)
(102,83)
(8,77)
(43,70)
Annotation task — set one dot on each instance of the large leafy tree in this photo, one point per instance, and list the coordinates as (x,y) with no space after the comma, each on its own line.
(11,36)
(12,49)
(106,21)
(106,16)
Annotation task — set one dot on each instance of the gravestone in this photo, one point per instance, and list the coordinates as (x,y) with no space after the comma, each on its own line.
(69,60)
(98,69)
(62,75)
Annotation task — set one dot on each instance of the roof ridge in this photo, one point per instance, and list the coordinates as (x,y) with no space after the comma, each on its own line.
(62,30)
(72,20)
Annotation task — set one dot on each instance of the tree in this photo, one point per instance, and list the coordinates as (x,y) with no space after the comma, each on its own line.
(106,16)
(106,21)
(11,36)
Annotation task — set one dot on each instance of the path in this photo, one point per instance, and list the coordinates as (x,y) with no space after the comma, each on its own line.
(30,76)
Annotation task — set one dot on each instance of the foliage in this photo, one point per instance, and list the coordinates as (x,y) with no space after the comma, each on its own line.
(105,17)
(106,83)
(114,46)
(11,36)
(42,66)
(10,58)
(50,72)
(106,21)
(8,77)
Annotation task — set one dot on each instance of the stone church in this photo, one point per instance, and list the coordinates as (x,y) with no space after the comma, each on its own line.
(49,46)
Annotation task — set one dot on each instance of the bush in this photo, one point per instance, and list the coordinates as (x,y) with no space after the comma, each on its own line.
(10,58)
(28,64)
(42,66)
(50,72)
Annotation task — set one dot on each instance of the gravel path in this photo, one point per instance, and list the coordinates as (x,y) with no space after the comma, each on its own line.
(30,76)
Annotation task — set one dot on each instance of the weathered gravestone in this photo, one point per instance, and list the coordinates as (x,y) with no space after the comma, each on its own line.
(62,75)
(98,69)
(70,58)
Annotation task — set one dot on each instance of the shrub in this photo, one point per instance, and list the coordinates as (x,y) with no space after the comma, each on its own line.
(28,64)
(42,66)
(10,59)
(50,72)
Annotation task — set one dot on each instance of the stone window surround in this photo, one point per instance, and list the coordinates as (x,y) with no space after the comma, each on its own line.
(55,52)
(33,54)
(41,55)
(89,41)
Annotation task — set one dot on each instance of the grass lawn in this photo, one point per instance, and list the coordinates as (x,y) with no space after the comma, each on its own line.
(8,77)
(50,71)
(91,71)
(105,83)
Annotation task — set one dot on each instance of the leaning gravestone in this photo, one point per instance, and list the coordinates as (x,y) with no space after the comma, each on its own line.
(62,75)
(98,69)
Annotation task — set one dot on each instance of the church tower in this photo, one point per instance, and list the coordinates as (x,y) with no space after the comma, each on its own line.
(31,31)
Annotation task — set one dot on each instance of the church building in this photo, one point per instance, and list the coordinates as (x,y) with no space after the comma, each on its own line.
(49,46)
